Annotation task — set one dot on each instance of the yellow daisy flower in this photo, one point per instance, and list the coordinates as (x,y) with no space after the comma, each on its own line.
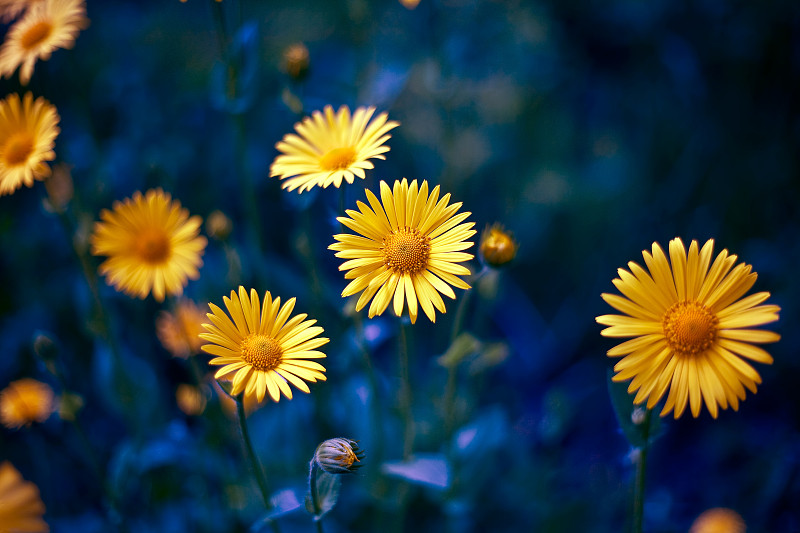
(178,330)
(719,520)
(28,130)
(691,328)
(21,507)
(151,243)
(24,402)
(45,27)
(263,348)
(329,148)
(408,249)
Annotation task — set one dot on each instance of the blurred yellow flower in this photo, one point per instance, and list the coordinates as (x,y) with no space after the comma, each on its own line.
(408,249)
(9,9)
(24,402)
(410,4)
(497,246)
(690,328)
(151,243)
(296,60)
(178,330)
(21,507)
(45,27)
(190,399)
(263,348)
(28,130)
(718,520)
(329,148)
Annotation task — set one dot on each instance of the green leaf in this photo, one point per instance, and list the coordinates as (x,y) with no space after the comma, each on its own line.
(464,345)
(622,401)
(328,486)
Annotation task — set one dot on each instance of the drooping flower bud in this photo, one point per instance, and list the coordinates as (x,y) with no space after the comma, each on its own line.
(497,246)
(339,456)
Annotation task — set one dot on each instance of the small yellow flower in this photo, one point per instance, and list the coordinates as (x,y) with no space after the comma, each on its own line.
(410,4)
(691,328)
(497,246)
(21,507)
(45,27)
(263,349)
(24,402)
(190,399)
(407,249)
(218,225)
(329,148)
(28,130)
(718,520)
(152,244)
(339,456)
(178,331)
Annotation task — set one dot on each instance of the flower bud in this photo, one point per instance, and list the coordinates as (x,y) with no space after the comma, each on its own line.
(218,226)
(339,456)
(296,61)
(59,187)
(497,246)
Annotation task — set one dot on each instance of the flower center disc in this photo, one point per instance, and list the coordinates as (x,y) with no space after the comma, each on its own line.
(337,159)
(35,34)
(406,251)
(153,247)
(261,351)
(690,328)
(18,148)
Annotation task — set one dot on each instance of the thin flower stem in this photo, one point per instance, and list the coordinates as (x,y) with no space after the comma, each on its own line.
(641,470)
(405,395)
(255,465)
(375,405)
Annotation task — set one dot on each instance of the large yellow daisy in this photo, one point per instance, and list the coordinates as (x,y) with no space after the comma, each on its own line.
(21,507)
(28,131)
(152,244)
(691,328)
(45,27)
(407,249)
(263,349)
(329,148)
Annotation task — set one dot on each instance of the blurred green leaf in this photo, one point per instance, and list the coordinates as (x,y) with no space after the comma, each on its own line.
(283,502)
(425,469)
(464,345)
(328,486)
(632,426)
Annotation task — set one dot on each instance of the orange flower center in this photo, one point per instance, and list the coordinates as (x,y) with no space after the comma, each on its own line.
(36,34)
(337,159)
(261,351)
(17,149)
(153,246)
(690,327)
(406,250)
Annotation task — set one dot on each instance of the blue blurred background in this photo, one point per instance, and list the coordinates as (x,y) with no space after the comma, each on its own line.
(590,129)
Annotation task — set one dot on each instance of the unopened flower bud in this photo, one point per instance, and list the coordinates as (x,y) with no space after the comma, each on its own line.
(296,61)
(218,226)
(59,188)
(497,246)
(339,456)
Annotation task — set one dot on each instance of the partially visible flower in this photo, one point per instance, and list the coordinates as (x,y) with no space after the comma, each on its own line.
(263,349)
(228,404)
(329,148)
(21,507)
(339,456)
(691,327)
(24,402)
(296,60)
(178,330)
(45,27)
(60,189)
(718,520)
(408,249)
(497,246)
(152,244)
(190,399)
(218,225)
(410,4)
(28,130)
(10,9)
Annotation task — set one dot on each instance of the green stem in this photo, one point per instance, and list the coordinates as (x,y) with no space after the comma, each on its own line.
(405,395)
(255,465)
(375,406)
(641,469)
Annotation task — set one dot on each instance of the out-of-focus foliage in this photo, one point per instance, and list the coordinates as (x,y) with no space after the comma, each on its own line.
(588,129)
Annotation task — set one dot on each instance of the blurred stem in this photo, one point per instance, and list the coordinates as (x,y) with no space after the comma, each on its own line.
(248,188)
(219,24)
(641,470)
(313,470)
(405,394)
(255,464)
(374,406)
